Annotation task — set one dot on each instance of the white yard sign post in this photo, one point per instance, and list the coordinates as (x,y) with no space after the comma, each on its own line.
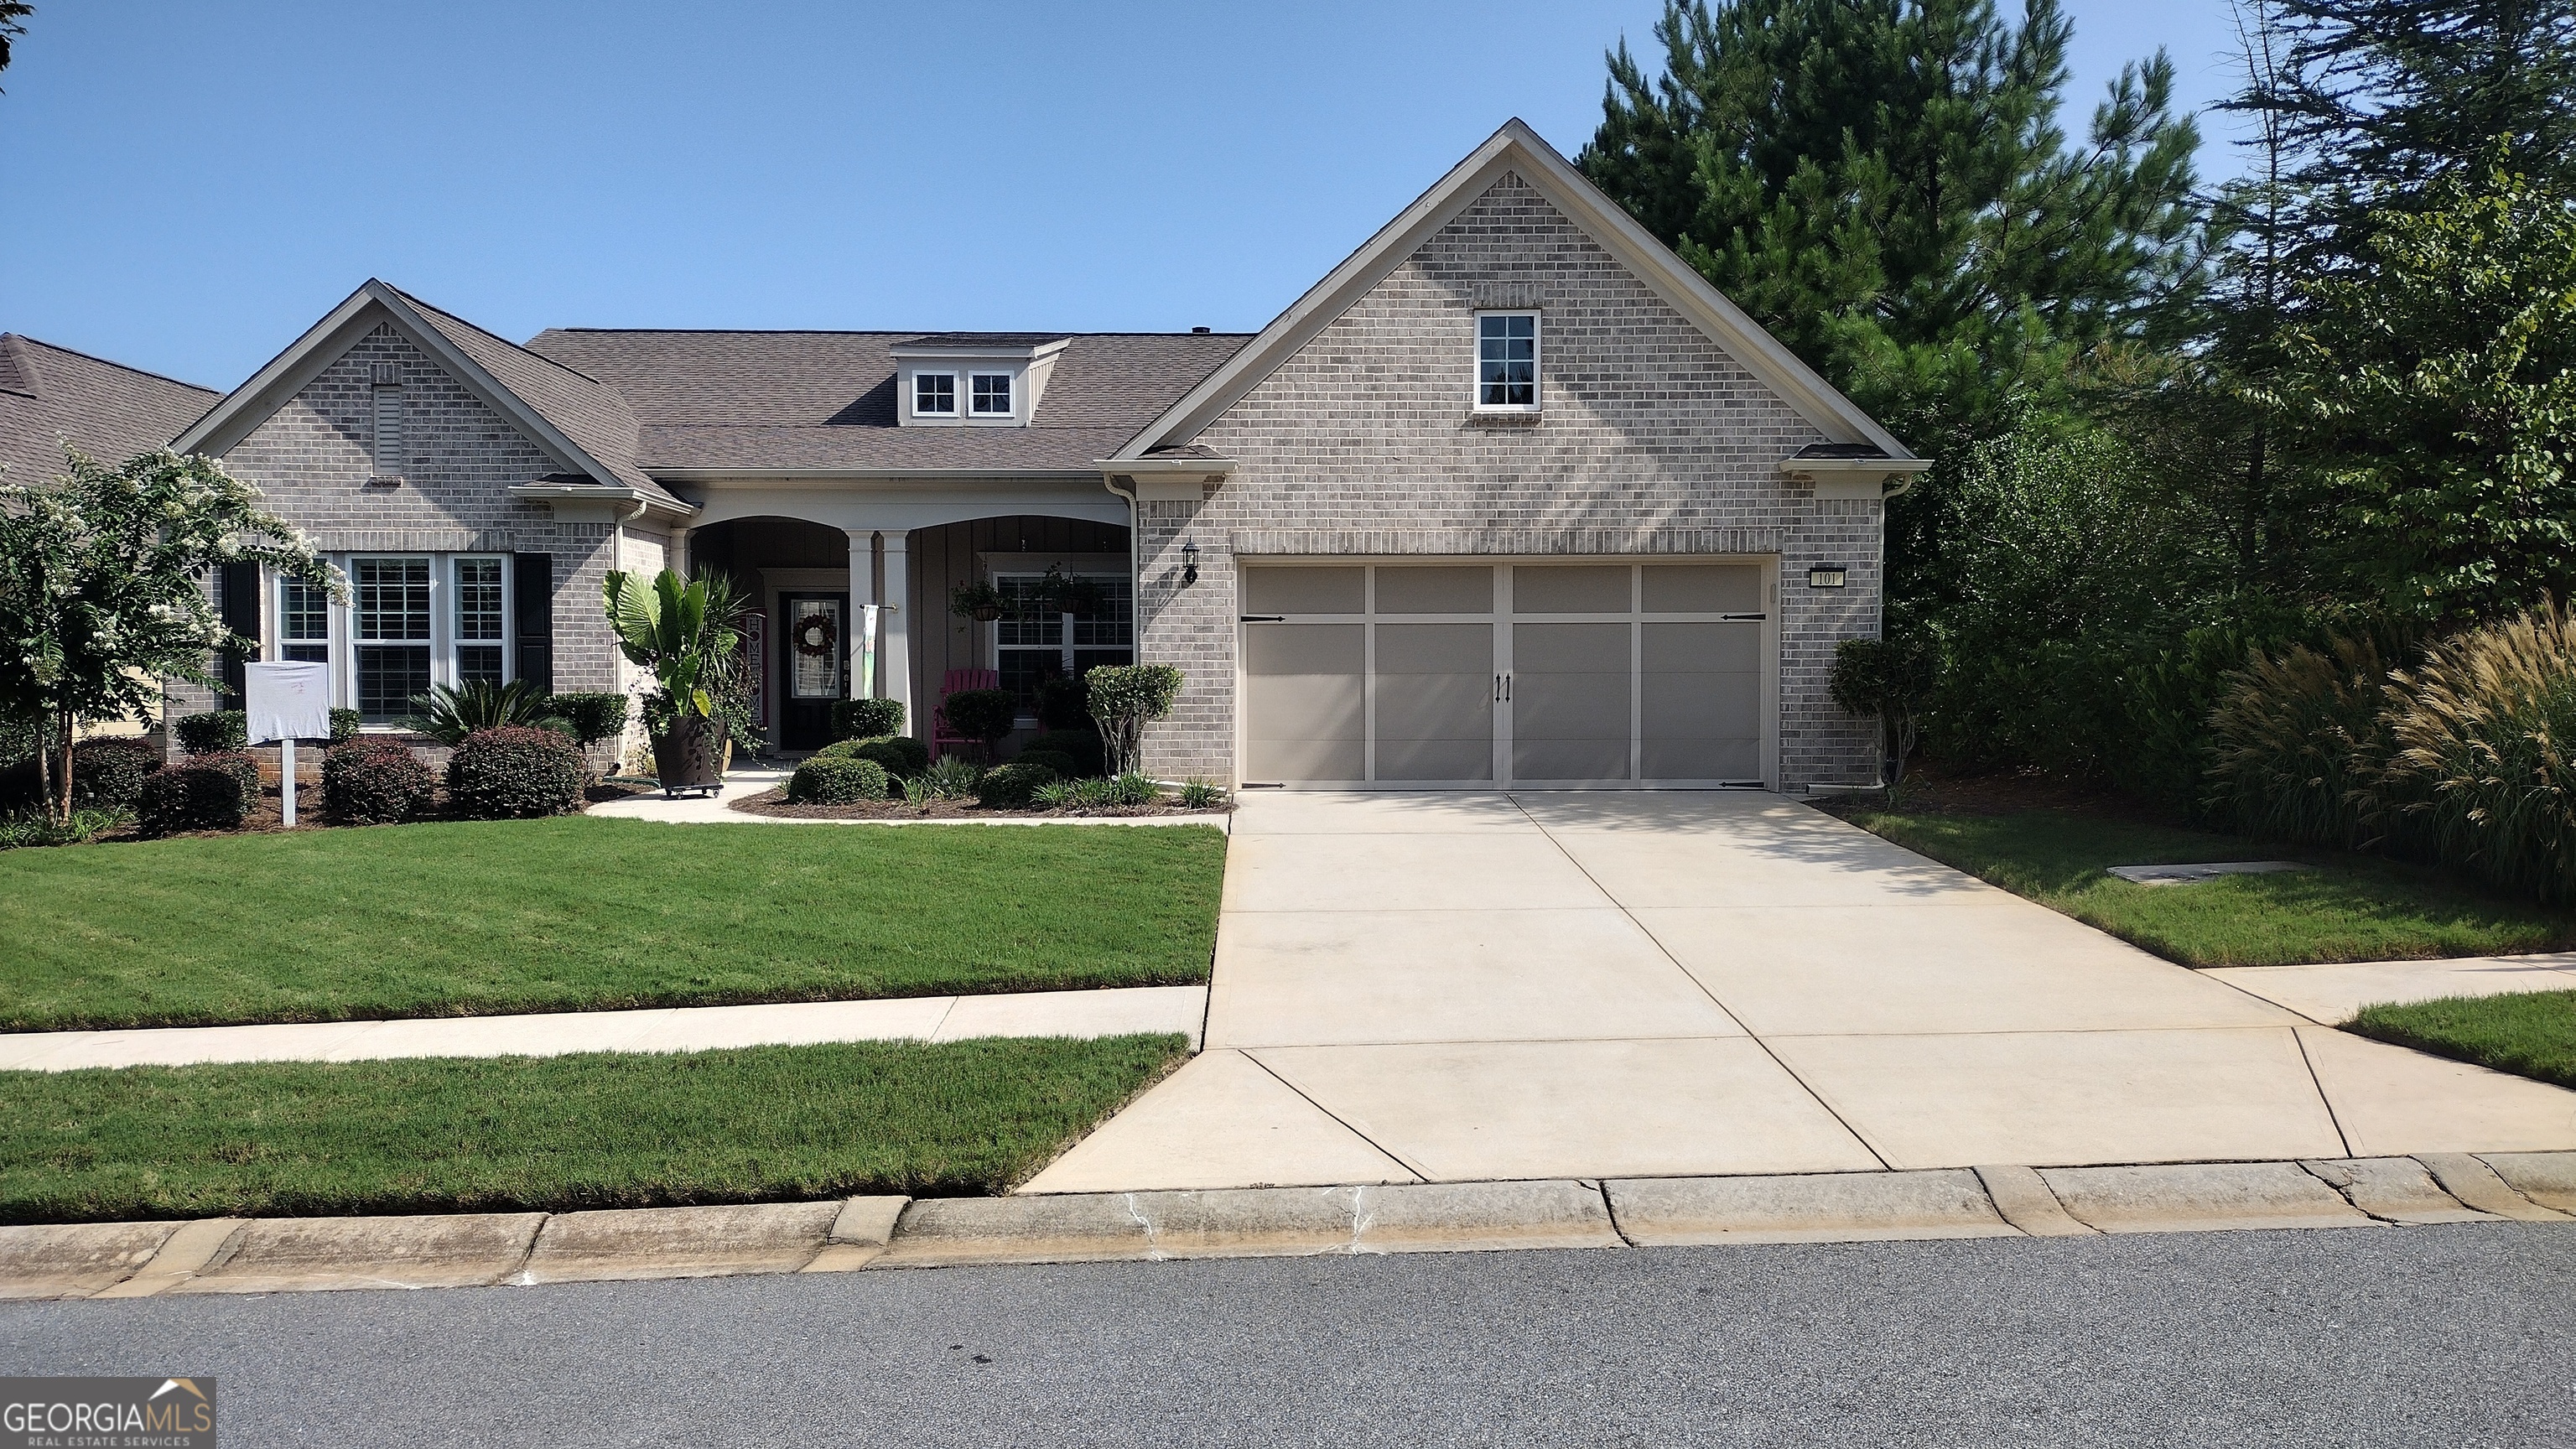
(287,702)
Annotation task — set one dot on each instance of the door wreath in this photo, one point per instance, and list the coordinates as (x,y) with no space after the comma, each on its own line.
(814,635)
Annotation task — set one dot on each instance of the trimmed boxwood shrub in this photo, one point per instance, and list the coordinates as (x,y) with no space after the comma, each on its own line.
(344,726)
(836,780)
(866,719)
(981,714)
(202,792)
(215,732)
(1082,746)
(1065,766)
(896,754)
(375,781)
(1010,787)
(514,772)
(108,773)
(592,717)
(1064,703)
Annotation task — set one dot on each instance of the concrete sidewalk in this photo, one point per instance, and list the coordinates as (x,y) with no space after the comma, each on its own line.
(1587,985)
(2332,994)
(1114,1012)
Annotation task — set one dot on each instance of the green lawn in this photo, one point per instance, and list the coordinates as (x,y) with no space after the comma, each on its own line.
(2532,1033)
(2351,908)
(607,1130)
(551,915)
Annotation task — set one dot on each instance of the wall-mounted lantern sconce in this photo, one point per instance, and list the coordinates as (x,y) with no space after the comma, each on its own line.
(1825,576)
(1189,563)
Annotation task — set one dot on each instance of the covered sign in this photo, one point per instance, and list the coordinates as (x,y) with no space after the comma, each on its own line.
(287,701)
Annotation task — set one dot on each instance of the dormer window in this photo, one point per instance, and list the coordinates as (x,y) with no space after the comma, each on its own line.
(992,394)
(934,394)
(1507,361)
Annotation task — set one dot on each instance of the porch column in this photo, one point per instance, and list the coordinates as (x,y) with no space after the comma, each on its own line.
(894,650)
(679,553)
(863,574)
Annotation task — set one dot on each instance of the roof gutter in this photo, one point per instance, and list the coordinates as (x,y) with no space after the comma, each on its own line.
(871,475)
(1850,477)
(544,492)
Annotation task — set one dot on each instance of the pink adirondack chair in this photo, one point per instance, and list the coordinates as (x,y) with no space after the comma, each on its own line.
(942,738)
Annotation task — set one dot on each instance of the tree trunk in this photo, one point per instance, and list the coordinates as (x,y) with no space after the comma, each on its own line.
(44,769)
(64,734)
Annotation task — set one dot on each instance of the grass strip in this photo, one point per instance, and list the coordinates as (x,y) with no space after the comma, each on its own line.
(2528,1033)
(2348,908)
(555,1133)
(579,914)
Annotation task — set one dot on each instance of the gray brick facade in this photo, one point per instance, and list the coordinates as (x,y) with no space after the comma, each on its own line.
(1651,441)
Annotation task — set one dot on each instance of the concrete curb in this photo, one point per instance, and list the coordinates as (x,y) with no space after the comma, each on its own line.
(272,1255)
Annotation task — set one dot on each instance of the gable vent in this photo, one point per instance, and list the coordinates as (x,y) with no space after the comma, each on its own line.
(388,374)
(1508,294)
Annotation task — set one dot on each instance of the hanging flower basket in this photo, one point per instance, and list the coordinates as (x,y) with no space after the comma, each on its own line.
(980,602)
(814,635)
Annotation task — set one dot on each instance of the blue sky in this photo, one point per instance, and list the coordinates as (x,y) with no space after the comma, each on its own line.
(185,186)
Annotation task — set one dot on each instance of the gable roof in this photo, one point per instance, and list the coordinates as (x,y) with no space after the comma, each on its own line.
(52,395)
(1518,149)
(578,419)
(714,403)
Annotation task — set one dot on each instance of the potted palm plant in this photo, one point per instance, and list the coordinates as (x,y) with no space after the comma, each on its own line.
(690,635)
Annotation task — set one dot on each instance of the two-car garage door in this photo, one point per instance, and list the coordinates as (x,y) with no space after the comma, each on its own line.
(1420,675)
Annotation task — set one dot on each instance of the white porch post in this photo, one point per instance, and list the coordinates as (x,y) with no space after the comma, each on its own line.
(894,651)
(863,573)
(680,550)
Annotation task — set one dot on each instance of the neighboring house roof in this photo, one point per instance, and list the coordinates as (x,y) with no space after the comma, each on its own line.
(1518,150)
(52,395)
(821,402)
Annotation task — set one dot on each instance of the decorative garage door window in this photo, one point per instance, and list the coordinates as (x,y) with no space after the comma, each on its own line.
(1409,675)
(816,650)
(1034,645)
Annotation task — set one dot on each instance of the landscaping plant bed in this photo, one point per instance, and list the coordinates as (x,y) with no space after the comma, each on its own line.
(601,1130)
(774,803)
(580,913)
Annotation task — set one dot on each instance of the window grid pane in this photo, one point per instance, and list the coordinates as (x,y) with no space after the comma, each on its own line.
(1507,360)
(303,613)
(388,676)
(478,599)
(1114,624)
(993,392)
(934,393)
(478,664)
(393,599)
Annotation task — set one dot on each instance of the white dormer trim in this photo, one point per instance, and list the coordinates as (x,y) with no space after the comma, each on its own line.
(1028,366)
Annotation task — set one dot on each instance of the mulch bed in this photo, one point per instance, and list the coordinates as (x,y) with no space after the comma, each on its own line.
(773,802)
(1934,788)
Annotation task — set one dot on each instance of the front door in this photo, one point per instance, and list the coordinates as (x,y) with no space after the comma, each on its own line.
(813,666)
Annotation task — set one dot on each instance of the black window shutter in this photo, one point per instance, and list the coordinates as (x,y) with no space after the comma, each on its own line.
(239,590)
(533,589)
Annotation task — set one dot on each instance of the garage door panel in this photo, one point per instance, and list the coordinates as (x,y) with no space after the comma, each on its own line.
(1435,589)
(1305,591)
(1570,649)
(1706,758)
(1702,588)
(1540,760)
(1434,759)
(1435,649)
(1305,714)
(1731,648)
(1700,704)
(1435,706)
(1571,589)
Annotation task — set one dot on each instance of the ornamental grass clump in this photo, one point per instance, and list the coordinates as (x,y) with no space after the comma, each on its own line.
(836,780)
(2484,768)
(950,777)
(372,780)
(515,772)
(2298,744)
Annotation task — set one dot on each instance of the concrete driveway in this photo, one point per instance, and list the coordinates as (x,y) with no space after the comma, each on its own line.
(1468,987)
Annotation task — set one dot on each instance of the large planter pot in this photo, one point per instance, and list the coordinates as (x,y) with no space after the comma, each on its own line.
(684,757)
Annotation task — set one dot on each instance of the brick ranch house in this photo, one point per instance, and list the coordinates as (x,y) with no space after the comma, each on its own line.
(1512,496)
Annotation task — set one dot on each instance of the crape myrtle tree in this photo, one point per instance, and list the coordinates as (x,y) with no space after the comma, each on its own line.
(1885,185)
(103,591)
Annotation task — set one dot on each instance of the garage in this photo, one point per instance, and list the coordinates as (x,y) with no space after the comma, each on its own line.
(1596,673)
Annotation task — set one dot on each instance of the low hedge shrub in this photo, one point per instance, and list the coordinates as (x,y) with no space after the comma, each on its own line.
(984,715)
(108,773)
(344,726)
(897,755)
(591,717)
(836,780)
(1065,766)
(866,719)
(1082,746)
(514,772)
(209,791)
(375,781)
(217,731)
(1064,703)
(1012,786)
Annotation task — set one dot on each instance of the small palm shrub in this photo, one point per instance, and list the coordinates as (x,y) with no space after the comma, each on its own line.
(202,792)
(2298,744)
(826,780)
(372,780)
(1012,786)
(2484,768)
(449,715)
(950,777)
(1082,746)
(866,719)
(108,773)
(514,772)
(217,731)
(901,756)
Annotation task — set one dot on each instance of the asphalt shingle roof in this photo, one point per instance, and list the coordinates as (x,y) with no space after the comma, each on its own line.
(800,400)
(51,395)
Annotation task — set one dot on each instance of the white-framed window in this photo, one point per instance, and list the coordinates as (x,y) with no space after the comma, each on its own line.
(390,614)
(1507,361)
(992,397)
(303,623)
(934,394)
(1032,648)
(412,620)
(481,610)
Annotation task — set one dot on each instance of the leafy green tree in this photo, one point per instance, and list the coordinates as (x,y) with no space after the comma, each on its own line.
(102,593)
(13,23)
(1885,185)
(2439,386)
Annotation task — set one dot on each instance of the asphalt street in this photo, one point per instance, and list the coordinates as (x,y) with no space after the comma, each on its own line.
(2434,1335)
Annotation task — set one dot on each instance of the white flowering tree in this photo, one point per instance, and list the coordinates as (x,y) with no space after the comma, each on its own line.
(103,591)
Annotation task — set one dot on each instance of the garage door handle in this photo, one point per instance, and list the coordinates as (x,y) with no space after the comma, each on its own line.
(1503,687)
(1498,689)
(1265,618)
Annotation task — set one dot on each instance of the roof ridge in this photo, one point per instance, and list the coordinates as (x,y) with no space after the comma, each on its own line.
(26,341)
(868,332)
(495,336)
